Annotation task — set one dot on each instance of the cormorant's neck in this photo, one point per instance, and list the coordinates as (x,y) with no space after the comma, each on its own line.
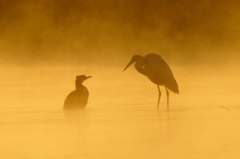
(78,85)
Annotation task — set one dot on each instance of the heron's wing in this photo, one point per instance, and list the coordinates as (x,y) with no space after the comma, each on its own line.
(159,72)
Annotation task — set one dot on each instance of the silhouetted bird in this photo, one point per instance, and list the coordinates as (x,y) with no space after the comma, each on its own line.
(157,70)
(79,97)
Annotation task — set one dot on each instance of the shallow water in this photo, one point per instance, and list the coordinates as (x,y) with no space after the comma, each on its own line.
(121,119)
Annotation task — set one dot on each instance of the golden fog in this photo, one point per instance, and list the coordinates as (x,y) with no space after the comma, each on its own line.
(76,32)
(44,44)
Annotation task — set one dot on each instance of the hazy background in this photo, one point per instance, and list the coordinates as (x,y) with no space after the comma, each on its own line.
(109,32)
(59,39)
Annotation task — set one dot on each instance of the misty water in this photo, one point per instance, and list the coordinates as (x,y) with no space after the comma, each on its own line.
(121,119)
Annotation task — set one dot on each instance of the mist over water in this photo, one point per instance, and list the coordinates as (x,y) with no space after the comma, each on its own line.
(93,32)
(121,119)
(44,44)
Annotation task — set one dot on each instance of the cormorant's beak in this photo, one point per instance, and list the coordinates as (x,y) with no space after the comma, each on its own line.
(88,77)
(131,62)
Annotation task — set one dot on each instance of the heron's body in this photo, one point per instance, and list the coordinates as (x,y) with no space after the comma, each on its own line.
(78,98)
(157,71)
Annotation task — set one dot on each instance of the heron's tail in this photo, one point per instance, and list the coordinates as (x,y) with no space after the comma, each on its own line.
(172,86)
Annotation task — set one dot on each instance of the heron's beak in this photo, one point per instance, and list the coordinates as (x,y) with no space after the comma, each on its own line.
(131,62)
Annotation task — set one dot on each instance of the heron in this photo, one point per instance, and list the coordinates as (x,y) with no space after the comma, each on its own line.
(157,71)
(79,97)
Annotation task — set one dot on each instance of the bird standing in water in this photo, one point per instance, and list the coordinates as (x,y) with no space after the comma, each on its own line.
(79,97)
(157,70)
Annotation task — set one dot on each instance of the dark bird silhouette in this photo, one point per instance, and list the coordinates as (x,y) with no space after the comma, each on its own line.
(79,97)
(157,70)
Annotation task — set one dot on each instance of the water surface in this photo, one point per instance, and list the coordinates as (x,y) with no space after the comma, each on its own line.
(121,119)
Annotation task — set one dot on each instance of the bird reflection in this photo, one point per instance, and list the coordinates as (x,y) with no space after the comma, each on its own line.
(79,97)
(157,70)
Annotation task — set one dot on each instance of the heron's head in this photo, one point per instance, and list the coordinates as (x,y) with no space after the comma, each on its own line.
(135,58)
(81,78)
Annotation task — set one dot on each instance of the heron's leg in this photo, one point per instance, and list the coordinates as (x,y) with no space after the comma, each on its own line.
(159,95)
(167,98)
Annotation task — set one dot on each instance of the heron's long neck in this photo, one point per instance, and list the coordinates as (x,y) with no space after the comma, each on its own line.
(139,65)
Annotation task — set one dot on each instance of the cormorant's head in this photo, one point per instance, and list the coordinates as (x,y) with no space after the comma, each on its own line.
(81,78)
